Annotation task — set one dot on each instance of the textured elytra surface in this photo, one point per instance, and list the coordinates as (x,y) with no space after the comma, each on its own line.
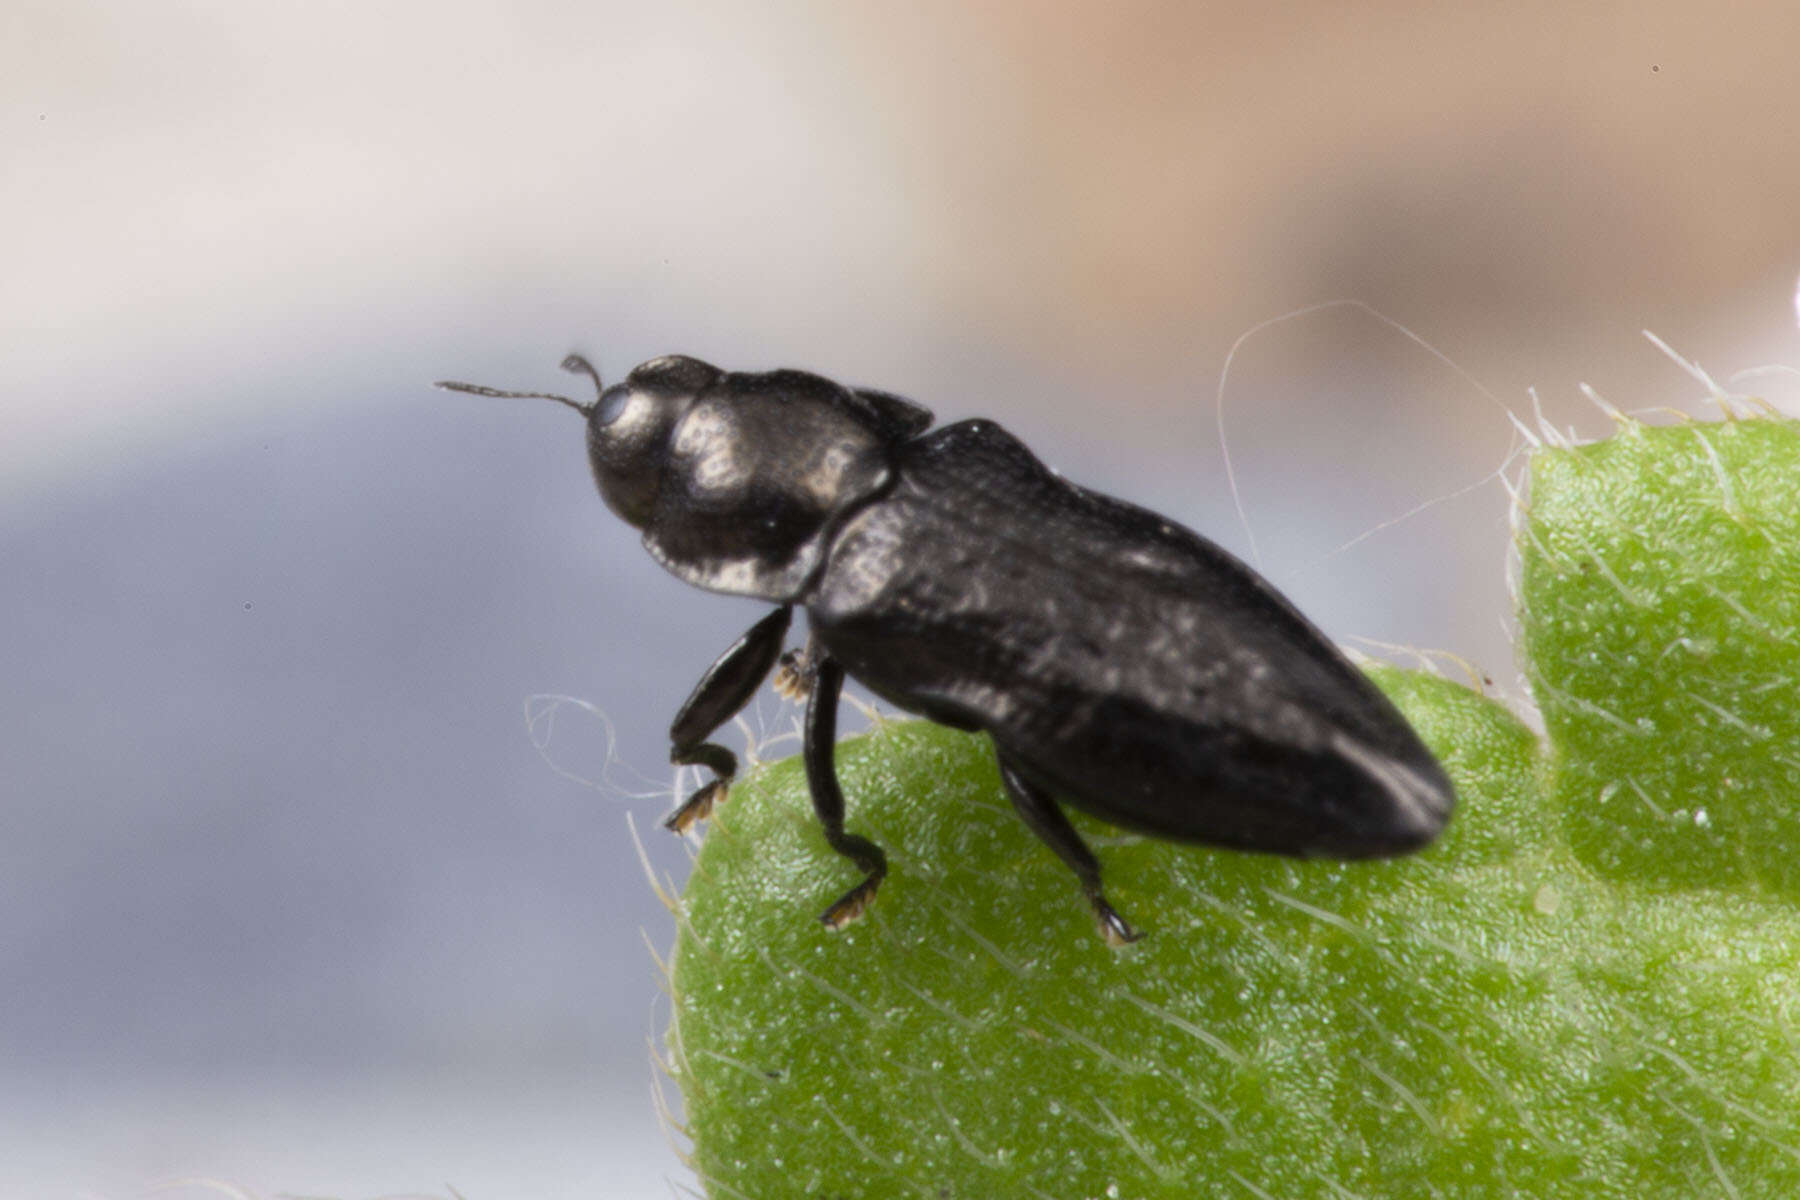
(1524,1009)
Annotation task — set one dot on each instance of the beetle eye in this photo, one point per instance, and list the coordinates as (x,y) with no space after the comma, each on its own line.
(611,404)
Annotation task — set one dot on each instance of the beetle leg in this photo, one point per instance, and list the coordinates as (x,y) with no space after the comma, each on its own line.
(719,696)
(1042,815)
(819,750)
(798,669)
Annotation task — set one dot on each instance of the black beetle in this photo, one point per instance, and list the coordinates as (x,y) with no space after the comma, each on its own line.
(1118,661)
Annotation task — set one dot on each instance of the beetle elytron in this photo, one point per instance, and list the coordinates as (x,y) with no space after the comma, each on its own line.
(1120,663)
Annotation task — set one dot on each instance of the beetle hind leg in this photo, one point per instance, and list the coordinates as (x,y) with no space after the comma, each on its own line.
(819,750)
(1043,817)
(720,695)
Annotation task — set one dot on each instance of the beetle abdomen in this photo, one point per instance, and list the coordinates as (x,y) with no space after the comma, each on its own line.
(1119,660)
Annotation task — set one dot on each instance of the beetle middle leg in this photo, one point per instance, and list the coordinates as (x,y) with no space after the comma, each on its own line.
(719,696)
(819,753)
(797,670)
(1046,818)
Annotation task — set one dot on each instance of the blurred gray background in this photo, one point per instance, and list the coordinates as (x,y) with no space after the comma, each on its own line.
(288,897)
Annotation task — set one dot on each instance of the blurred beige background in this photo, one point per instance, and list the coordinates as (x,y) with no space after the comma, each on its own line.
(287,897)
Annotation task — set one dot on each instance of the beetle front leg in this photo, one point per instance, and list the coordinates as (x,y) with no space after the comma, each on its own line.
(1044,817)
(719,696)
(819,752)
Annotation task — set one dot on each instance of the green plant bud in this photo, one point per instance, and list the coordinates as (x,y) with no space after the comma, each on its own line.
(1575,993)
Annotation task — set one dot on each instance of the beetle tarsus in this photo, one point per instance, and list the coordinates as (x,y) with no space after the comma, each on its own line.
(851,905)
(1115,929)
(796,671)
(865,854)
(699,806)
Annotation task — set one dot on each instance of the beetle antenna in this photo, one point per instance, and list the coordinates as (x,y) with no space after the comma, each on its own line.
(577,365)
(476,389)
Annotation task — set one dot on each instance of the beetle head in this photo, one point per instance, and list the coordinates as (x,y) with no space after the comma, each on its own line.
(735,479)
(628,428)
(628,424)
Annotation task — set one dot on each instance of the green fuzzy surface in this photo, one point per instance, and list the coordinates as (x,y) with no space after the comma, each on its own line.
(1586,988)
(1662,640)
